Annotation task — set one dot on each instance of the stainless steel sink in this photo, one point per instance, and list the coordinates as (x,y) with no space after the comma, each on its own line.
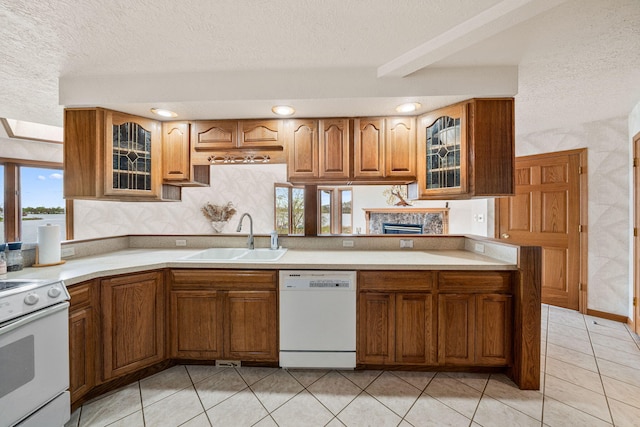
(236,255)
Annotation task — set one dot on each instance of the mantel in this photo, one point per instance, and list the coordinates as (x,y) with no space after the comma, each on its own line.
(424,216)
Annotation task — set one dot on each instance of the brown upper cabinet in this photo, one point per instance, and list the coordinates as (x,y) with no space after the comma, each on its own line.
(220,135)
(377,150)
(112,155)
(215,134)
(466,150)
(385,149)
(318,150)
(177,167)
(260,133)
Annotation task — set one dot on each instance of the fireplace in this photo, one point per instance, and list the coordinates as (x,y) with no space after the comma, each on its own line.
(407,220)
(390,228)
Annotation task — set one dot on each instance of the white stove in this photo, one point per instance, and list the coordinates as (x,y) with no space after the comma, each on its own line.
(34,353)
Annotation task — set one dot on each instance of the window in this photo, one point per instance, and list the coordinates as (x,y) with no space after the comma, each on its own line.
(289,209)
(335,214)
(41,200)
(38,200)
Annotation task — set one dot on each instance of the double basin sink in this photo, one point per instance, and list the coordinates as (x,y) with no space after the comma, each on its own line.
(237,255)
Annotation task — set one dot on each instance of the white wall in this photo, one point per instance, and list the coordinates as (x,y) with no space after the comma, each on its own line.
(248,187)
(608,211)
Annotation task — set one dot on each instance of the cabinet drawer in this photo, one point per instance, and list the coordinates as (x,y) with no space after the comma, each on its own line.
(395,280)
(80,295)
(474,281)
(223,279)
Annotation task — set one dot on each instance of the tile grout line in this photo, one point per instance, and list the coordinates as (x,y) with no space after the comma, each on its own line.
(544,373)
(604,390)
(416,401)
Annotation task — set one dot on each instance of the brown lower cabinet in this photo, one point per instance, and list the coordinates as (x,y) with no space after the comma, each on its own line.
(82,339)
(474,329)
(132,322)
(224,314)
(472,311)
(396,318)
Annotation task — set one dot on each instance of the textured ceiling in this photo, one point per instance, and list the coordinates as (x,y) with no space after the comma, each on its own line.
(574,61)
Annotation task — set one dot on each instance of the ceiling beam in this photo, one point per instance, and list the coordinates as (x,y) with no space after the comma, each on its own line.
(492,21)
(284,84)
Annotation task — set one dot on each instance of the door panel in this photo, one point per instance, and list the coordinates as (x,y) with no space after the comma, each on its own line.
(546,212)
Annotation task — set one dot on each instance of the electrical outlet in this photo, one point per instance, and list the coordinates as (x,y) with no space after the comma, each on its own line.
(406,243)
(181,242)
(479,248)
(347,243)
(67,252)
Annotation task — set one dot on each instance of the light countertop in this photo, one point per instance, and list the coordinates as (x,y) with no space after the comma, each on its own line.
(77,270)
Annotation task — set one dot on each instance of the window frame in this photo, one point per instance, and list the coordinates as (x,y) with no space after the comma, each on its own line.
(12,204)
(335,221)
(290,187)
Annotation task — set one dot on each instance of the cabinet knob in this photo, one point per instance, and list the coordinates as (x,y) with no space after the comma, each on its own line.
(505,236)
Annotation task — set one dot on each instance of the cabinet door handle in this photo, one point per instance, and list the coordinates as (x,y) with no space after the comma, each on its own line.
(505,236)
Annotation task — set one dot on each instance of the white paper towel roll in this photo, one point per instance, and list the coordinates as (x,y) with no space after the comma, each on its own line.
(48,244)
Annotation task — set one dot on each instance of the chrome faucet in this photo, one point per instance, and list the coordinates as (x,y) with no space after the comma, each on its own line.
(250,240)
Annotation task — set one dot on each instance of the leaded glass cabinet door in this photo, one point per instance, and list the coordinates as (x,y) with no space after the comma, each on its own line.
(133,156)
(443,152)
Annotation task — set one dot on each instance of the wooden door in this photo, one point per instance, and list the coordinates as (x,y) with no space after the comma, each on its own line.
(400,148)
(376,327)
(196,324)
(334,149)
(369,148)
(175,151)
(251,326)
(456,329)
(546,211)
(636,227)
(493,329)
(414,328)
(302,145)
(132,322)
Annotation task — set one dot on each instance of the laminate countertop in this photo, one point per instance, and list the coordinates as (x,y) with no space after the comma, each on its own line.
(76,270)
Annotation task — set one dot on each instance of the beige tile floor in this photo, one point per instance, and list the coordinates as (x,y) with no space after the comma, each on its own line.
(591,377)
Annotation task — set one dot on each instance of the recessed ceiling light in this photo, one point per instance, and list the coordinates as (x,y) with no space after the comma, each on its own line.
(283,110)
(408,107)
(163,113)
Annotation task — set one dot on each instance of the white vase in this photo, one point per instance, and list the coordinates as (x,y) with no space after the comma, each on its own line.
(218,226)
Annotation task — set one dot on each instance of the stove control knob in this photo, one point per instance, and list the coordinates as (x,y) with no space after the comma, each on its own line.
(54,292)
(31,299)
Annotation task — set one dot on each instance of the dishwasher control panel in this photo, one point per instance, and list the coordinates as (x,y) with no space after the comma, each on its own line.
(329,283)
(301,279)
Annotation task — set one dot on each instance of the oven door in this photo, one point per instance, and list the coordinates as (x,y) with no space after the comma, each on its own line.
(34,362)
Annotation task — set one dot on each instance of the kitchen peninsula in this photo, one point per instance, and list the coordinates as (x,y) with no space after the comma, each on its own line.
(451,303)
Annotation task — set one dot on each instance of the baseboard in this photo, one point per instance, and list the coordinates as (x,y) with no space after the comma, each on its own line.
(609,316)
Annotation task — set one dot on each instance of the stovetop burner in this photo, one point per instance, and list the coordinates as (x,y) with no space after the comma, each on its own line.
(6,285)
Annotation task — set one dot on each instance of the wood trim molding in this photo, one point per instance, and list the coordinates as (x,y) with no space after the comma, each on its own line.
(608,316)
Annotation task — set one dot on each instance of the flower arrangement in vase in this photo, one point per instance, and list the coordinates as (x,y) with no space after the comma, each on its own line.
(218,215)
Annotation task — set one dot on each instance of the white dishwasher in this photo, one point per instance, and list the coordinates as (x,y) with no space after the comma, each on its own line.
(317,319)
